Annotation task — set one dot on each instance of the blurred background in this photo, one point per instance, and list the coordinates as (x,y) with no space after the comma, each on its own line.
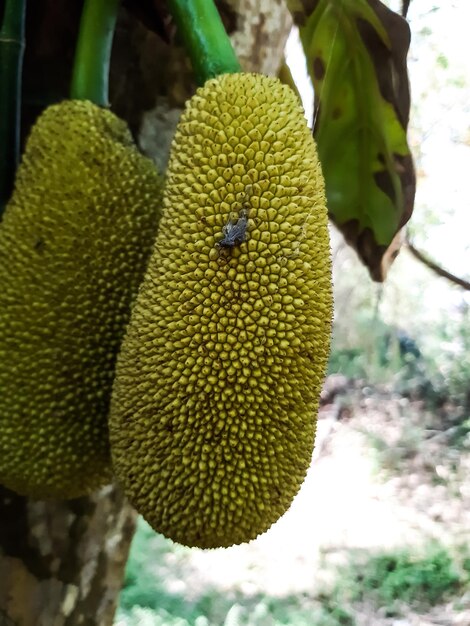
(380,531)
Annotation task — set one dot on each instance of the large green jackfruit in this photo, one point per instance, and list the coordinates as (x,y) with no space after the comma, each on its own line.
(74,243)
(214,405)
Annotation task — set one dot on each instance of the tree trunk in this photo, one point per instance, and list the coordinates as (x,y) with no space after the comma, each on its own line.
(62,563)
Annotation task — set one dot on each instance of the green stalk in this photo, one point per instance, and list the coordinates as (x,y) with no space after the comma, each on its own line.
(93,52)
(11,64)
(205,39)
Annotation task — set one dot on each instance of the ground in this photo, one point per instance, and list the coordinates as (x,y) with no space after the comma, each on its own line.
(389,474)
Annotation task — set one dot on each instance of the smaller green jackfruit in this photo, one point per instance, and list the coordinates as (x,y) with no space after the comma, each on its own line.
(74,243)
(214,404)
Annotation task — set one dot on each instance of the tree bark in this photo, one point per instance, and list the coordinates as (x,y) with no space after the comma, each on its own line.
(62,563)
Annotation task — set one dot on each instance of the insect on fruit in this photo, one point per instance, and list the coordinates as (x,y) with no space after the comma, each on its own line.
(234,233)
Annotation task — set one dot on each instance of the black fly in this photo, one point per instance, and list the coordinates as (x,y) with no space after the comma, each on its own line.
(234,232)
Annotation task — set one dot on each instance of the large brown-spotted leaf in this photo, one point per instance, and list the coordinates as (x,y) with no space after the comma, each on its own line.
(356,55)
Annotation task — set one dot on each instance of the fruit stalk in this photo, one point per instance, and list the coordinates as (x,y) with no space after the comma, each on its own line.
(11,63)
(205,39)
(93,52)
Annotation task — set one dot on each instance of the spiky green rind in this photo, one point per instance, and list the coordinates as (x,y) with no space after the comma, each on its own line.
(74,243)
(214,406)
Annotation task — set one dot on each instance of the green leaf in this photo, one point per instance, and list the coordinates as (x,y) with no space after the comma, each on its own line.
(356,56)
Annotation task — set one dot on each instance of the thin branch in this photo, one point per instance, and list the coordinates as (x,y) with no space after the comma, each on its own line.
(11,64)
(405,5)
(436,268)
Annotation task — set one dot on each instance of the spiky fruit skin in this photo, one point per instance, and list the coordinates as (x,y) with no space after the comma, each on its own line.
(213,413)
(74,244)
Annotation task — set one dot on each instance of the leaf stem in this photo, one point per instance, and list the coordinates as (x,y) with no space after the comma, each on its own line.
(11,65)
(93,53)
(205,39)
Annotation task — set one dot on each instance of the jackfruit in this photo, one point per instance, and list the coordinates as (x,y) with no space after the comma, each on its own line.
(74,243)
(214,404)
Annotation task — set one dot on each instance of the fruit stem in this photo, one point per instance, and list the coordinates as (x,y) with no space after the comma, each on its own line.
(204,37)
(93,53)
(11,64)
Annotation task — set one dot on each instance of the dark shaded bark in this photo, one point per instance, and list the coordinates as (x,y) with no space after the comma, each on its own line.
(62,563)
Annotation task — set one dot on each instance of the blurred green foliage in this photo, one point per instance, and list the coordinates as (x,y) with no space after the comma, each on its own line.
(402,577)
(147,599)
(433,365)
(383,581)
